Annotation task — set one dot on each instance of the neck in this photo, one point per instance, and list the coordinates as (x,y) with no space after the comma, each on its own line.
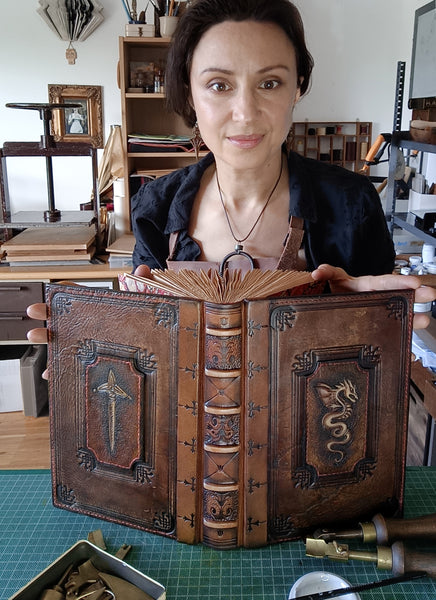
(238,238)
(248,187)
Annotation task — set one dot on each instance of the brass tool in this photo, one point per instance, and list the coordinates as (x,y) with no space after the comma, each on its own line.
(385,531)
(396,558)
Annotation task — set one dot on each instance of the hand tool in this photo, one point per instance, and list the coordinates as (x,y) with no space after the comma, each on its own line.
(385,531)
(396,557)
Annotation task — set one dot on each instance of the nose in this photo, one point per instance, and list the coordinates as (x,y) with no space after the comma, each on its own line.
(246,107)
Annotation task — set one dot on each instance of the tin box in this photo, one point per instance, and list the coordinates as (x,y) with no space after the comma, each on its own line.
(105,562)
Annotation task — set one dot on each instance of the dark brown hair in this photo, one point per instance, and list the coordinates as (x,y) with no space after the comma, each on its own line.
(201,15)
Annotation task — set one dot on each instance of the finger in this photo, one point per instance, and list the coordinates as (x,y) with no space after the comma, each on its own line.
(425,294)
(372,283)
(366,283)
(44,374)
(420,321)
(327,272)
(37,311)
(39,335)
(143,271)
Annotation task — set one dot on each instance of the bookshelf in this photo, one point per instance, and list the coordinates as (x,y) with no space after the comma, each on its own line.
(344,143)
(145,112)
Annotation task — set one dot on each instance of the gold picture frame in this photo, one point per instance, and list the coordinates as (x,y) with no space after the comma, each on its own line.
(83,124)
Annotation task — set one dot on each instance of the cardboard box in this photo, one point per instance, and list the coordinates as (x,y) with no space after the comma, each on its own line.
(11,397)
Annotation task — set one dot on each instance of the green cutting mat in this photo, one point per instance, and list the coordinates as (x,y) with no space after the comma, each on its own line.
(33,534)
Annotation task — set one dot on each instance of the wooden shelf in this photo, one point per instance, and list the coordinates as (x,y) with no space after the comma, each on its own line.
(344,143)
(177,155)
(150,41)
(146,113)
(145,96)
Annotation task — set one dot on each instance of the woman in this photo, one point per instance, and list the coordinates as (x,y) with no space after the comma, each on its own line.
(235,71)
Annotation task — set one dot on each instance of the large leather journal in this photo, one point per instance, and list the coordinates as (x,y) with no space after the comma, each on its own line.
(238,424)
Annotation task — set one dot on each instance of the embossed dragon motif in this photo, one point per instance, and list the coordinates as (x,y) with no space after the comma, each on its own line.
(339,401)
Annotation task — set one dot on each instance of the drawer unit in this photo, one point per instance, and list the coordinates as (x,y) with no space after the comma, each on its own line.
(15,297)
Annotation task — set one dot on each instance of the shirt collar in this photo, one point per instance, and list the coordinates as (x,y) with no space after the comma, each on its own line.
(181,206)
(302,197)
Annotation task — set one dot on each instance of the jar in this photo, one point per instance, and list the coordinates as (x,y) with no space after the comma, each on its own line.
(428,252)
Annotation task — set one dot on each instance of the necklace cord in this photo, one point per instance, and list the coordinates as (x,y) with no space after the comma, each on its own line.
(238,246)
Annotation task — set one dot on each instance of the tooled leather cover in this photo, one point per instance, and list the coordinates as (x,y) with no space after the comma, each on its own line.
(326,412)
(140,412)
(115,383)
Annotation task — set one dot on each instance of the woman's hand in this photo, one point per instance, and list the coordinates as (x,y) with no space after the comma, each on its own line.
(39,335)
(341,282)
(143,271)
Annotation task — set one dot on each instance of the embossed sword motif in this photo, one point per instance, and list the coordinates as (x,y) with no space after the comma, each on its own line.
(113,390)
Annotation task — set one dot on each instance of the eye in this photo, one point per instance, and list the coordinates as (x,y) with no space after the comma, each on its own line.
(269,84)
(219,86)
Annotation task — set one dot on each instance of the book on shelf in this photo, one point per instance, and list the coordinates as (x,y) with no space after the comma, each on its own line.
(159,143)
(220,411)
(142,142)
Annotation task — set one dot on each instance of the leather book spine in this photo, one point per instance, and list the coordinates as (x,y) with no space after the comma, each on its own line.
(221,435)
(256,419)
(189,423)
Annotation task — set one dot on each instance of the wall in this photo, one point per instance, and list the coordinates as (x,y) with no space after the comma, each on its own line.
(356,46)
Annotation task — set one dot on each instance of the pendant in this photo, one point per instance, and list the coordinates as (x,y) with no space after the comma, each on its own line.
(71,55)
(238,247)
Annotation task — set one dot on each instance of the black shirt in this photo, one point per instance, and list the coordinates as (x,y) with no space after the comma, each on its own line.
(343,219)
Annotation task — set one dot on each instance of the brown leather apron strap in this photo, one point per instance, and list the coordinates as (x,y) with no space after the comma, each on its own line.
(174,236)
(288,259)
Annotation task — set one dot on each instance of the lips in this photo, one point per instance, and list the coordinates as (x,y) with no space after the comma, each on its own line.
(245,141)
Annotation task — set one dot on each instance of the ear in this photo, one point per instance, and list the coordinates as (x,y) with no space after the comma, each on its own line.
(297,96)
(298,92)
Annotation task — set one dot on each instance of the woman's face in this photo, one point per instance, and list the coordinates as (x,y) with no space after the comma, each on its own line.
(244,86)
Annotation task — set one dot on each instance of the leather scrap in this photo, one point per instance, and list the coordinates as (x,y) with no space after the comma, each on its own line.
(96,538)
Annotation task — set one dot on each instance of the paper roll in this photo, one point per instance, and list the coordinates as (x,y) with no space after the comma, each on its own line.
(121,226)
(118,186)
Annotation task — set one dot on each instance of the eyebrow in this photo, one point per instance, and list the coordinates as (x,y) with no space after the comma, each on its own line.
(260,71)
